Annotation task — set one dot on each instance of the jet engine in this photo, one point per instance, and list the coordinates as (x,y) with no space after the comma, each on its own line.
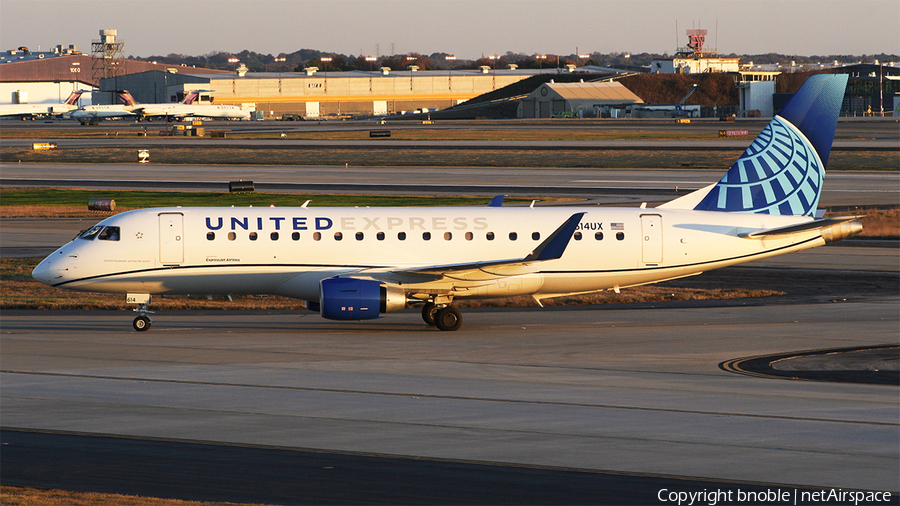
(358,299)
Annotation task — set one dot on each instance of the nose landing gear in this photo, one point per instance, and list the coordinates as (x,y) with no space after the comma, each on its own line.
(143,321)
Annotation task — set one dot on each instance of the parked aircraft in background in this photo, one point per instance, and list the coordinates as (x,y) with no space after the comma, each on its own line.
(187,108)
(356,263)
(98,112)
(31,111)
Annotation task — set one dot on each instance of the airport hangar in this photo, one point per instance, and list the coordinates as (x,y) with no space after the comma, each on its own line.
(315,93)
(39,77)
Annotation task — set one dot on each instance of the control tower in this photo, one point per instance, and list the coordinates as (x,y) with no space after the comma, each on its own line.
(695,58)
(695,47)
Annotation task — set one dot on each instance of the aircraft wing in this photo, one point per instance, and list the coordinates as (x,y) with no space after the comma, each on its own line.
(551,248)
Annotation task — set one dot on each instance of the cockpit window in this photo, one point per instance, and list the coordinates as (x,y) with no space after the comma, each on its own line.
(91,233)
(102,233)
(109,234)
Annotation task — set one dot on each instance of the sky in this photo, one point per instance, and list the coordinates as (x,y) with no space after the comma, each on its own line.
(465,28)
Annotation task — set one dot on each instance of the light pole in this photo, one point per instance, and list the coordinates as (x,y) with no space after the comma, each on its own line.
(450,59)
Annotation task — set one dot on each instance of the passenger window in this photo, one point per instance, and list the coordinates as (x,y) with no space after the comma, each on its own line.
(448,236)
(536,236)
(620,236)
(295,236)
(91,233)
(273,236)
(469,236)
(401,236)
(577,236)
(210,236)
(598,236)
(338,236)
(359,236)
(380,236)
(513,236)
(317,236)
(232,236)
(109,234)
(489,236)
(252,236)
(426,236)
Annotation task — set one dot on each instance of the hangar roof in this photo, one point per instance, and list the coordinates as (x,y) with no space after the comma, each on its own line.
(79,67)
(367,74)
(597,93)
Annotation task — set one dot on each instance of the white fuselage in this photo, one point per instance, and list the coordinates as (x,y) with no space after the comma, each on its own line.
(34,109)
(197,110)
(102,111)
(287,251)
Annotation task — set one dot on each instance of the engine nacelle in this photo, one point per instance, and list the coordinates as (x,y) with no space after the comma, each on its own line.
(358,299)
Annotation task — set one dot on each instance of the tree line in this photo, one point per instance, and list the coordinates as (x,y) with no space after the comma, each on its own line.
(325,61)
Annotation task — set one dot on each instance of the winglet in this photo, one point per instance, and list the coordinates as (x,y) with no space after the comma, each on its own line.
(554,246)
(496,201)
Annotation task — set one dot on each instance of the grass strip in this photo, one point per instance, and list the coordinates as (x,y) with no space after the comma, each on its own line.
(27,496)
(398,132)
(416,157)
(57,203)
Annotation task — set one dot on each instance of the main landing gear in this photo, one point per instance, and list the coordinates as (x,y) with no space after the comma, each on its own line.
(442,317)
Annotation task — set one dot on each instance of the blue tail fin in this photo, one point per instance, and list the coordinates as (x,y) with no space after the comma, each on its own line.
(782,171)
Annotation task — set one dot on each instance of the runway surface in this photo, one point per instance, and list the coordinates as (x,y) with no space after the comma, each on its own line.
(600,186)
(637,392)
(848,129)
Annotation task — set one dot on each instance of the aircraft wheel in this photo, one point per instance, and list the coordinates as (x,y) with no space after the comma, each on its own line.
(141,323)
(448,318)
(428,313)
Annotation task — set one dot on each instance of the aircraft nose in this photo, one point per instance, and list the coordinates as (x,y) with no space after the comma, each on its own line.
(46,272)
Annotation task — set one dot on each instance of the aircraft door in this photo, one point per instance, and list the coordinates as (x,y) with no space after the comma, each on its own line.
(171,238)
(651,239)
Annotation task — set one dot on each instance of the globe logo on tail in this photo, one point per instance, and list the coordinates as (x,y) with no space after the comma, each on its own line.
(780,173)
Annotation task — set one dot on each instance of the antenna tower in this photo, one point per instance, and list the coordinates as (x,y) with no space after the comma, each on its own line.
(107,53)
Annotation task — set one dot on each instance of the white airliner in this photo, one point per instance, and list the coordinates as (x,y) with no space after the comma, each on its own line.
(30,111)
(97,112)
(356,263)
(187,108)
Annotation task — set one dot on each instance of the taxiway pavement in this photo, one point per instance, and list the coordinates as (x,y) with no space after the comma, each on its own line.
(587,389)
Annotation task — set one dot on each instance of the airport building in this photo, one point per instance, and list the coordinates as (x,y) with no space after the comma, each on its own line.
(50,76)
(319,94)
(581,100)
(38,77)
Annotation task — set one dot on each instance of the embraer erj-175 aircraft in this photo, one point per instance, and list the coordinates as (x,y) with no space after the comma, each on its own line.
(30,111)
(354,264)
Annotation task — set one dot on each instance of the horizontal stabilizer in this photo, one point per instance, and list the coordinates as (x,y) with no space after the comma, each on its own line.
(846,226)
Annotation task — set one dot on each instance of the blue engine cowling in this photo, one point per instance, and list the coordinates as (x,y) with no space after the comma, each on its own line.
(358,299)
